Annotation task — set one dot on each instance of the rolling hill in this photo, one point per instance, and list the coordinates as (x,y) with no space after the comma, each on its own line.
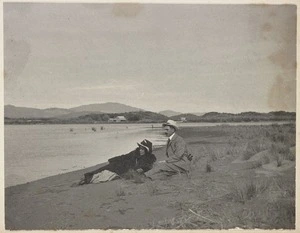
(106,108)
(170,113)
(188,116)
(11,111)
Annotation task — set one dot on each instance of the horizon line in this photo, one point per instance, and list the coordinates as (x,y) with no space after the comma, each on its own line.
(180,113)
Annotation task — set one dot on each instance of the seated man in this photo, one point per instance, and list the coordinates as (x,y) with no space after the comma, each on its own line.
(139,160)
(178,157)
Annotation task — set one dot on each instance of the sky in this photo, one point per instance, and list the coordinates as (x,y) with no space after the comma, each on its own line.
(186,58)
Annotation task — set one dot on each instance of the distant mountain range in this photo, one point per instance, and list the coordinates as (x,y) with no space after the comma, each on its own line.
(106,108)
(169,113)
(198,113)
(11,111)
(96,113)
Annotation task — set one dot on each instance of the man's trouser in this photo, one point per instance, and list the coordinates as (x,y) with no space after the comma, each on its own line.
(169,169)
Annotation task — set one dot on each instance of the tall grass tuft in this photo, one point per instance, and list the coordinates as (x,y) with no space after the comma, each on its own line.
(243,192)
(286,187)
(208,168)
(283,213)
(253,147)
(281,152)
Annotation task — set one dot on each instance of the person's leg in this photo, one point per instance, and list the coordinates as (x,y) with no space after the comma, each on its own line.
(181,166)
(156,169)
(89,175)
(162,170)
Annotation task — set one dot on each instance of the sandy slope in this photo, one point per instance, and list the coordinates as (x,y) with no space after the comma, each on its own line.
(52,203)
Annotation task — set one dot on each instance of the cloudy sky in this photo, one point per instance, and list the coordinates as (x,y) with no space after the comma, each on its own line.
(188,58)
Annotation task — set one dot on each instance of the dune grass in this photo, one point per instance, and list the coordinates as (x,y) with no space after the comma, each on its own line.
(248,189)
(248,202)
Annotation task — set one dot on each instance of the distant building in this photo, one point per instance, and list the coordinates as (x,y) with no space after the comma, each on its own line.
(117,119)
(183,119)
(111,120)
(120,119)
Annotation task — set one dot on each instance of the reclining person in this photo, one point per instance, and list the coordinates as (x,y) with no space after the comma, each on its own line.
(139,161)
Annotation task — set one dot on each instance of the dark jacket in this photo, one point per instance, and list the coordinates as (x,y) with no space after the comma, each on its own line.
(133,160)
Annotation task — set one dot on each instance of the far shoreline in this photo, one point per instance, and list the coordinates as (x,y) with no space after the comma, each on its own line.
(182,123)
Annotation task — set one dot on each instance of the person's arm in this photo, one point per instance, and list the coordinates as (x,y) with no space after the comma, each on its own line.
(179,150)
(121,157)
(145,164)
(115,159)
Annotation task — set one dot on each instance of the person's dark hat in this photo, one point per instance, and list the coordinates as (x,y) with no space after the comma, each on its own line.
(147,145)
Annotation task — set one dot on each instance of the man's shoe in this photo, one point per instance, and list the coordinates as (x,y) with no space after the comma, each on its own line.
(81,182)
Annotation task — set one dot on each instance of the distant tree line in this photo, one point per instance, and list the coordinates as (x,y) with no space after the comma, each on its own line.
(151,117)
(132,117)
(239,117)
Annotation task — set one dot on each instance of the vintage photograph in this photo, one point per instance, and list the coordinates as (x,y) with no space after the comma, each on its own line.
(149,116)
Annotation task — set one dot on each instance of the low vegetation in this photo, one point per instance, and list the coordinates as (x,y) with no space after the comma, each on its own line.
(240,117)
(248,189)
(232,196)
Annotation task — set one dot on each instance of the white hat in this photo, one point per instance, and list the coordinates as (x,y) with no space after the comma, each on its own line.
(171,123)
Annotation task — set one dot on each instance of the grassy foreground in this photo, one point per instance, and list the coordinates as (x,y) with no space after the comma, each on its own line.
(241,176)
(244,177)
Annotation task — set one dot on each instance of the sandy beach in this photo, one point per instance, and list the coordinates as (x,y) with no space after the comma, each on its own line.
(215,195)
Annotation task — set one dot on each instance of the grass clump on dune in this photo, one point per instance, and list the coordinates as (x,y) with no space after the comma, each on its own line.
(255,146)
(248,189)
(280,152)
